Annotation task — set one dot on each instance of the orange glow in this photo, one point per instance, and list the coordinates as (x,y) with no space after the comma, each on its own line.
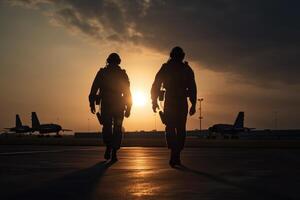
(139,98)
(139,186)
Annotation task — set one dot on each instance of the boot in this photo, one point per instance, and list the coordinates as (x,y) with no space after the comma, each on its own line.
(114,157)
(177,158)
(172,161)
(107,154)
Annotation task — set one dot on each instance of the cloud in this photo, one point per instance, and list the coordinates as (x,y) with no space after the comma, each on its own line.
(256,40)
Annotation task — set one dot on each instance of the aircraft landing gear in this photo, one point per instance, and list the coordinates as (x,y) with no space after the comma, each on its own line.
(57,135)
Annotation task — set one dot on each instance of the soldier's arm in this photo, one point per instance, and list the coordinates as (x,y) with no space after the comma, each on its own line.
(192,88)
(127,92)
(95,88)
(156,86)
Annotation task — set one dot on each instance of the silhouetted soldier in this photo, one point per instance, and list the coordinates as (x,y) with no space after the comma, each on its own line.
(111,89)
(176,78)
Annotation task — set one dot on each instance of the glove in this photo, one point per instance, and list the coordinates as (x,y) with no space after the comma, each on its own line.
(192,110)
(154,106)
(127,113)
(93,109)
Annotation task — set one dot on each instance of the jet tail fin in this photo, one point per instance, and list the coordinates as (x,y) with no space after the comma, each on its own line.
(239,122)
(18,121)
(34,120)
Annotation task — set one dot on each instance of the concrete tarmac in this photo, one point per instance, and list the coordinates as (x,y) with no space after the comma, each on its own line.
(57,172)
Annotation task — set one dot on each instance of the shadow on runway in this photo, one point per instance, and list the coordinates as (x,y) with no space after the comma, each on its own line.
(251,191)
(77,185)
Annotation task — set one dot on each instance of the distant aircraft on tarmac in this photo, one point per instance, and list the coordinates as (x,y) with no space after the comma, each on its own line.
(45,128)
(19,128)
(231,129)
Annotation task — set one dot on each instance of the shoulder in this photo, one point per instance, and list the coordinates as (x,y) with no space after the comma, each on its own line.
(188,68)
(123,73)
(164,67)
(102,70)
(101,73)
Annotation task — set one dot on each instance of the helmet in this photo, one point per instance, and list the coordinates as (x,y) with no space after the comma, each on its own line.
(177,53)
(113,58)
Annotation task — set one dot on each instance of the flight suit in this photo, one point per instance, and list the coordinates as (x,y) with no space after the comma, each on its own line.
(112,88)
(178,81)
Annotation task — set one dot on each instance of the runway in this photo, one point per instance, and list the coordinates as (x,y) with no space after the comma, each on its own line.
(58,172)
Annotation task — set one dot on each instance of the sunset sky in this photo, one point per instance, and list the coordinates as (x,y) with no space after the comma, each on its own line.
(245,55)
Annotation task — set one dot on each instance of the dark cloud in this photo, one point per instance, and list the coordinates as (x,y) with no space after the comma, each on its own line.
(258,40)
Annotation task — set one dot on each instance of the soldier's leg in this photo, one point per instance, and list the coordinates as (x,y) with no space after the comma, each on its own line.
(117,132)
(171,115)
(171,142)
(107,133)
(180,138)
(180,134)
(171,136)
(107,136)
(117,135)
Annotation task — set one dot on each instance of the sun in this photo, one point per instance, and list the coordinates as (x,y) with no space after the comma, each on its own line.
(139,98)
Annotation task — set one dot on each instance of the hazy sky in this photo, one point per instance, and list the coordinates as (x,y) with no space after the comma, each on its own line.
(245,55)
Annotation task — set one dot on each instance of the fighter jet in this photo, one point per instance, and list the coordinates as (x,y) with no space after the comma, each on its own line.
(45,128)
(231,129)
(19,128)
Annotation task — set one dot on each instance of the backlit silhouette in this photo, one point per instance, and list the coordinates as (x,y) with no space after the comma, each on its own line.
(19,128)
(111,90)
(45,128)
(230,130)
(175,82)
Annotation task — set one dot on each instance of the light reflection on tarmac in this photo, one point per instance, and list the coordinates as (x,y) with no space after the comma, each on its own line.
(55,172)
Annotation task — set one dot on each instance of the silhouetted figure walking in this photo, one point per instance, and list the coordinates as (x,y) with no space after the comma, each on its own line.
(175,82)
(111,90)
